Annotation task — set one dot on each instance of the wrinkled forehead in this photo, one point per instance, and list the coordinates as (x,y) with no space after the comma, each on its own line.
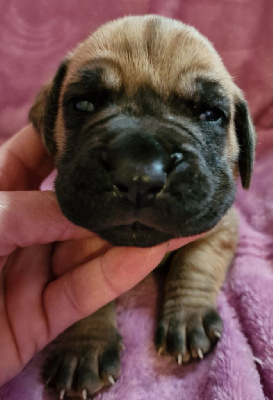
(162,54)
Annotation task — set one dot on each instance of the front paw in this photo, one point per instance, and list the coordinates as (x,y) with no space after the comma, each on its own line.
(188,334)
(78,369)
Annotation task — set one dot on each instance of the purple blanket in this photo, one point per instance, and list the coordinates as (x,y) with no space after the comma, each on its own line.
(34,38)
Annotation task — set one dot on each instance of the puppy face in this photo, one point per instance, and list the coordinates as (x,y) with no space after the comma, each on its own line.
(148,131)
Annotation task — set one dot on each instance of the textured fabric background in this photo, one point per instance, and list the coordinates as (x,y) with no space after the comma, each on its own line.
(34,37)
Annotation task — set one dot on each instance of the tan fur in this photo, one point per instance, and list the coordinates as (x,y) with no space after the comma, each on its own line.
(158,65)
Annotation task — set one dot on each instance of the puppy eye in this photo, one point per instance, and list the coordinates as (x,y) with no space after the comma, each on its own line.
(211,115)
(83,105)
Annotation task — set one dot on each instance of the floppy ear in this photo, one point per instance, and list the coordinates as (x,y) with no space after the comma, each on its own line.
(246,136)
(44,111)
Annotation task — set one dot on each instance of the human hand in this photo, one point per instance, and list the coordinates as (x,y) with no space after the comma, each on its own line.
(52,273)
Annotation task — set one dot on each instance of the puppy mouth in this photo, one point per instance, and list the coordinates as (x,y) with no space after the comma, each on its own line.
(151,225)
(135,234)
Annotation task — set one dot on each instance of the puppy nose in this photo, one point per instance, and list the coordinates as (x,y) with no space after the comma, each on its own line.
(140,182)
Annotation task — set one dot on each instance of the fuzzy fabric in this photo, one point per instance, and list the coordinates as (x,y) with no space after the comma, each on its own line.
(34,38)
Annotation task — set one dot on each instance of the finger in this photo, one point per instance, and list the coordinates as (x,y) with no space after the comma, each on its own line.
(8,348)
(24,162)
(33,217)
(90,286)
(72,253)
(180,242)
(26,275)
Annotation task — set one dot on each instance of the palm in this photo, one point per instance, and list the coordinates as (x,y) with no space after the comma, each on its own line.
(23,319)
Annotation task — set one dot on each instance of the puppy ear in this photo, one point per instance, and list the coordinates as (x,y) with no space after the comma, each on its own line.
(43,113)
(246,136)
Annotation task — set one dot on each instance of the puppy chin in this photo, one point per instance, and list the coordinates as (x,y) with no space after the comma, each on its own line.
(140,234)
(114,219)
(136,234)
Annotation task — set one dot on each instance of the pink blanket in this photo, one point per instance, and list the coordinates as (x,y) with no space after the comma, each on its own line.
(34,38)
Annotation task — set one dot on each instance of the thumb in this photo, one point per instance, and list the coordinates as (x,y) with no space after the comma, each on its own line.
(33,217)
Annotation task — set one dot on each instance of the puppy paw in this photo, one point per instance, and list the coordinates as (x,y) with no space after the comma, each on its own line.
(188,335)
(78,369)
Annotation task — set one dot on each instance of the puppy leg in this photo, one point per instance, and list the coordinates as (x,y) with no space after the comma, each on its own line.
(84,358)
(190,325)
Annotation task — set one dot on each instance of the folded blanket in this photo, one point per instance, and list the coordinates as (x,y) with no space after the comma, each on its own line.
(241,366)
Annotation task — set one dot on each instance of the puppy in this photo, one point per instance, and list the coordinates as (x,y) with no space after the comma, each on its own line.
(149,134)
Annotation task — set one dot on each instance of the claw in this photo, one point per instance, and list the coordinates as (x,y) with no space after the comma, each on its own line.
(160,351)
(200,354)
(48,381)
(217,334)
(111,380)
(122,347)
(179,359)
(62,394)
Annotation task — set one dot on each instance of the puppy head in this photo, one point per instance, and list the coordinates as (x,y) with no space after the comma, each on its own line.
(148,131)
